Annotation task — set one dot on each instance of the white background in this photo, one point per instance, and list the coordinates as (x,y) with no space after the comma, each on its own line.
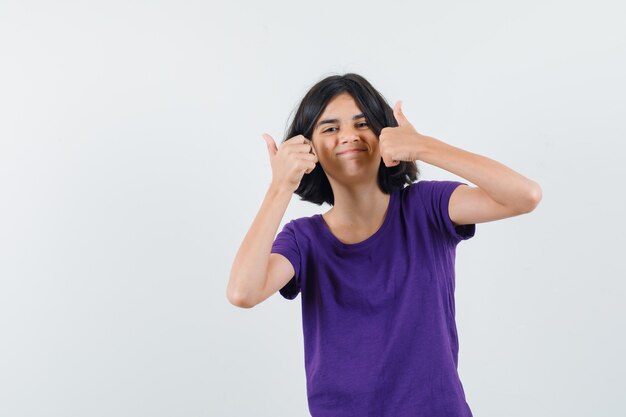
(132,165)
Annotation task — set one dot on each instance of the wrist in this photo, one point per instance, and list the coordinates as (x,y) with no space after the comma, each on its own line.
(278,190)
(427,146)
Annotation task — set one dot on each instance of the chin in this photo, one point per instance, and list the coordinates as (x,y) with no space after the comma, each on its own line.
(361,171)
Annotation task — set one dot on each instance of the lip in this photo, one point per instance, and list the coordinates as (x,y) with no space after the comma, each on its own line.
(350,151)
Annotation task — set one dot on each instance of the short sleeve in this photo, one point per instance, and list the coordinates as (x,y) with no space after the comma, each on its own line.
(286,245)
(435,196)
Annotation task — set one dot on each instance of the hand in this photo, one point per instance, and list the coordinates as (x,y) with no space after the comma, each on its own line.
(294,158)
(400,143)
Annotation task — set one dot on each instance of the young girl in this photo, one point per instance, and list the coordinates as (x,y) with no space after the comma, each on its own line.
(376,271)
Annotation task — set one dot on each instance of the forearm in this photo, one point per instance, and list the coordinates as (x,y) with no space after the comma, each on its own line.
(503,184)
(249,269)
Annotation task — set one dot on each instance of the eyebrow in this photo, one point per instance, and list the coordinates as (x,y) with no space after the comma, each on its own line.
(328,121)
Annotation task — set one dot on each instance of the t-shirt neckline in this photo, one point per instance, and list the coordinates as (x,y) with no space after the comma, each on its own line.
(325,230)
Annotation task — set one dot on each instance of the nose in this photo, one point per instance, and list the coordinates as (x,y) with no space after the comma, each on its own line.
(348,134)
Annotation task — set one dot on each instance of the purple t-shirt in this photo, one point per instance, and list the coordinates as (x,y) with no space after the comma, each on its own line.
(378,316)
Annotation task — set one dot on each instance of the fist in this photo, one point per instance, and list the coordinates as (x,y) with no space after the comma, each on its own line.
(291,161)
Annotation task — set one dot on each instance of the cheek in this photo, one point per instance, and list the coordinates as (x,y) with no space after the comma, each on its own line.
(322,146)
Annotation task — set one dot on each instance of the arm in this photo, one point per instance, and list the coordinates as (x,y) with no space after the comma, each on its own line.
(500,192)
(248,274)
(256,272)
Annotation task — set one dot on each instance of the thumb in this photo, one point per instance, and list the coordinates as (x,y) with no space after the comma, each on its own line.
(271,145)
(399,115)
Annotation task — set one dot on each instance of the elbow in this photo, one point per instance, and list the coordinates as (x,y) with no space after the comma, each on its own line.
(238,300)
(534,198)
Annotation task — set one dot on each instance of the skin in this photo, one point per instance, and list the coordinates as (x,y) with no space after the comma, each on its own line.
(360,205)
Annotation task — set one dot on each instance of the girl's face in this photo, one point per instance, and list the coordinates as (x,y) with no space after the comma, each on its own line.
(343,127)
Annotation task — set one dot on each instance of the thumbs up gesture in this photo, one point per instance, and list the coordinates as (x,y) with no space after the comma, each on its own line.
(400,143)
(291,161)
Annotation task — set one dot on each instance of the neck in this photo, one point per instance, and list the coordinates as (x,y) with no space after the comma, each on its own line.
(361,204)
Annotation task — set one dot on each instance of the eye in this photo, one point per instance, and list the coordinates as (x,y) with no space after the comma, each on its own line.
(361,124)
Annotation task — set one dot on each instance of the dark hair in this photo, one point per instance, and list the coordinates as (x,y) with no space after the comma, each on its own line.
(315,187)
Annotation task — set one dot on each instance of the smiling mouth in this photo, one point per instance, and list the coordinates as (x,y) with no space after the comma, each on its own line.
(351,152)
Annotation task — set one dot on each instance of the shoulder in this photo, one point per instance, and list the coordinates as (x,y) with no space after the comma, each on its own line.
(427,190)
(425,186)
(428,201)
(301,229)
(420,187)
(419,191)
(303,223)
